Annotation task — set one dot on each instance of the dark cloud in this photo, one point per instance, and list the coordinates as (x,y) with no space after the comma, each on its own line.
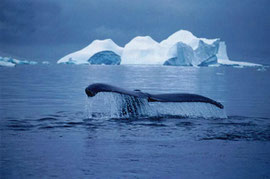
(27,21)
(51,28)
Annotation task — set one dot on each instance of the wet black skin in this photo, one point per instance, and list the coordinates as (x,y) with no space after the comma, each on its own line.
(95,88)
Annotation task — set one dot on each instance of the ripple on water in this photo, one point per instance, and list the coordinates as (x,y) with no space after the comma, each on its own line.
(47,119)
(235,128)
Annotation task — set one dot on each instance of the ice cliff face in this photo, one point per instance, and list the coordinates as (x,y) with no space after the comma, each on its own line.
(222,51)
(183,55)
(185,49)
(105,58)
(180,49)
(203,55)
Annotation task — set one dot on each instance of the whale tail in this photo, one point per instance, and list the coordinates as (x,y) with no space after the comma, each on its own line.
(136,103)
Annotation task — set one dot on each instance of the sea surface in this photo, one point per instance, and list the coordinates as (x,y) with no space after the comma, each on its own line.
(47,132)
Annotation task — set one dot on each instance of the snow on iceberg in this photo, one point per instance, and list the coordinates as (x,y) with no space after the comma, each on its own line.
(11,62)
(185,37)
(143,50)
(82,56)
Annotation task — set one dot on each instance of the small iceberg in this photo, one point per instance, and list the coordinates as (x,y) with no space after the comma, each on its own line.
(45,62)
(11,62)
(6,64)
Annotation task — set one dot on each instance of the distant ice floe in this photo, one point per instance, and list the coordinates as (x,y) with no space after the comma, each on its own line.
(6,64)
(180,49)
(12,62)
(45,62)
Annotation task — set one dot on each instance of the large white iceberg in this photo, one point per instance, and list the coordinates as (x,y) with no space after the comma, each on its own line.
(180,49)
(82,56)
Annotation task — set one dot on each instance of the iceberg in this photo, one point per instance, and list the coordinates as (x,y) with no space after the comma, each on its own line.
(32,63)
(45,62)
(6,64)
(180,49)
(82,56)
(11,62)
(223,59)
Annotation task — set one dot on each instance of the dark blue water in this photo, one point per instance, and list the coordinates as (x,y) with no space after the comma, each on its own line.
(46,130)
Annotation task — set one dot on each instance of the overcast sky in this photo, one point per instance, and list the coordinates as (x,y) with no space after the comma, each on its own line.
(49,29)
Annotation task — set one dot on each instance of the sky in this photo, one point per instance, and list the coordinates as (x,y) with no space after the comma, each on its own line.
(50,29)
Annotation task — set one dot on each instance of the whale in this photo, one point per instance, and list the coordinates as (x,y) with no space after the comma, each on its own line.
(95,88)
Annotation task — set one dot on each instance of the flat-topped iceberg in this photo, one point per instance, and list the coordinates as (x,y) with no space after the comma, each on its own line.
(180,49)
(11,62)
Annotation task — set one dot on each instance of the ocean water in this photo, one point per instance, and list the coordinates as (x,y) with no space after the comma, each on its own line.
(47,131)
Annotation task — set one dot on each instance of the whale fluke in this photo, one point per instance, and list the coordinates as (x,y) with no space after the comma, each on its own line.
(95,88)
